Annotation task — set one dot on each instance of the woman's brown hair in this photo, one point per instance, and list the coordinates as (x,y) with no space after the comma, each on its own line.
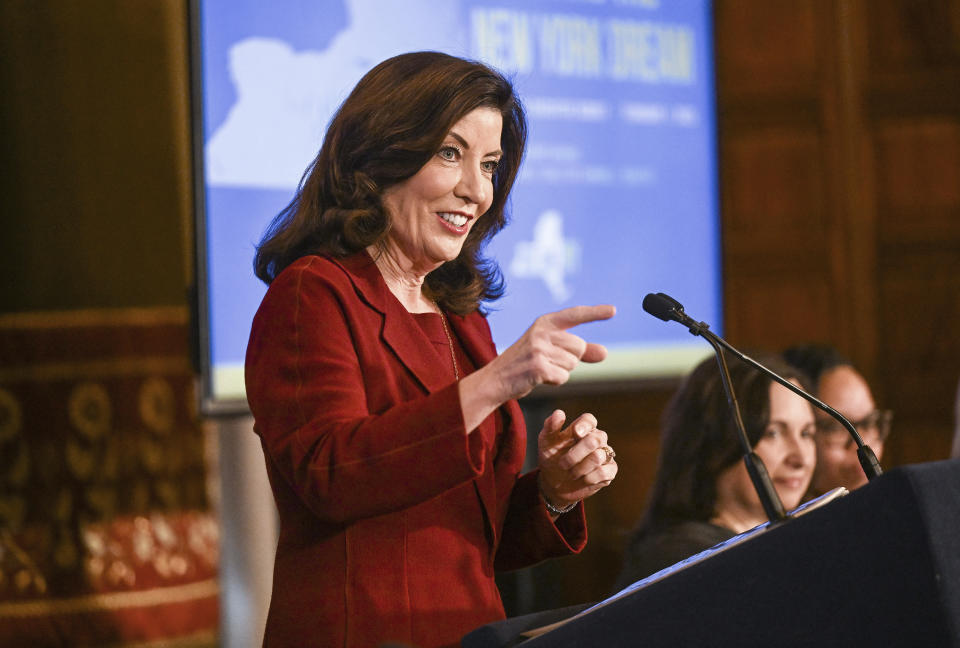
(393,121)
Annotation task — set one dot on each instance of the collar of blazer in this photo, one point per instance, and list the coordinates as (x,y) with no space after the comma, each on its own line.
(400,332)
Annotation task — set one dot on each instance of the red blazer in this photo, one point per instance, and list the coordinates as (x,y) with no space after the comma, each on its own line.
(392,518)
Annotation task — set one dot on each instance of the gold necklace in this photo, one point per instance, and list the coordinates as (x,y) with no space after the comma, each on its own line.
(446,331)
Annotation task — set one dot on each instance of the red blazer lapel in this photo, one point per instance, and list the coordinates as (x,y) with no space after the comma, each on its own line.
(494,490)
(400,333)
(477,343)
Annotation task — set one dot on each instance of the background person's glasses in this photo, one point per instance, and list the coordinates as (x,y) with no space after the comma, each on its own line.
(873,428)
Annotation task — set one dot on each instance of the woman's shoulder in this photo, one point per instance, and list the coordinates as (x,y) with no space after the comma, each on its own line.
(699,532)
(322,268)
(683,534)
(322,280)
(313,265)
(311,277)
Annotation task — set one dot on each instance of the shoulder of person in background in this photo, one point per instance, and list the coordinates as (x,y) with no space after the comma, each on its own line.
(650,552)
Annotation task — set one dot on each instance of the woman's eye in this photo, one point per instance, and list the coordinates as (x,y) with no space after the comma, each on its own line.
(809,432)
(449,153)
(771,433)
(490,166)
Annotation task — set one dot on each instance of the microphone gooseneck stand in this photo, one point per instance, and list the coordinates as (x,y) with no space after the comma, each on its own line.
(668,309)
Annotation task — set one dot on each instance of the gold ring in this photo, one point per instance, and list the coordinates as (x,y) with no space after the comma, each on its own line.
(610,453)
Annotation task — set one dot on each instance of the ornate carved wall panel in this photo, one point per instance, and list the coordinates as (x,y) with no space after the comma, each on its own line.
(106,533)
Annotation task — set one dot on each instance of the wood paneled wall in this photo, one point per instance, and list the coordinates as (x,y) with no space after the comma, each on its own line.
(840,141)
(94,154)
(840,195)
(911,91)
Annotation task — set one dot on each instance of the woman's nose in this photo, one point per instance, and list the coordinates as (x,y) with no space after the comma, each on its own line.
(795,452)
(472,186)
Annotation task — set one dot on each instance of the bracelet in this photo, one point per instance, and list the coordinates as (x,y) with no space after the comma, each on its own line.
(558,511)
(554,509)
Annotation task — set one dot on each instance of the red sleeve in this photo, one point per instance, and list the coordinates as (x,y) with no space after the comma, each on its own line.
(342,421)
(530,536)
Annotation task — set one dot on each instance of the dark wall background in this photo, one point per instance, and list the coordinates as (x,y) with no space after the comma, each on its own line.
(95,158)
(840,162)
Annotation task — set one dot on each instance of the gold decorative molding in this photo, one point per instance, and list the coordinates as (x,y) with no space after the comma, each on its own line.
(160,315)
(196,640)
(119,367)
(111,601)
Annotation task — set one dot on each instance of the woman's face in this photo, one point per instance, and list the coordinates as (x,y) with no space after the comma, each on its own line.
(837,464)
(432,212)
(788,451)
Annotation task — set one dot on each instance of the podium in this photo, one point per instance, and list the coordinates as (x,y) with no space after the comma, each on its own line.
(877,567)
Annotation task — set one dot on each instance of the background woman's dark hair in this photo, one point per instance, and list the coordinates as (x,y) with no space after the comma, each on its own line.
(815,359)
(699,439)
(394,120)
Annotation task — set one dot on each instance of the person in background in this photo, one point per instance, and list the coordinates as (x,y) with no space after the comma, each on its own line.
(702,494)
(837,383)
(390,427)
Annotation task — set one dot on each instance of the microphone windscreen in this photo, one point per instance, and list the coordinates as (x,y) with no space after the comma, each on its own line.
(662,306)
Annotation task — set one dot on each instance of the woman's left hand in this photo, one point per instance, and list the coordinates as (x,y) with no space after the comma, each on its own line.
(575,461)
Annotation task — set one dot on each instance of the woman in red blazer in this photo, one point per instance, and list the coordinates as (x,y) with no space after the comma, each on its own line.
(390,427)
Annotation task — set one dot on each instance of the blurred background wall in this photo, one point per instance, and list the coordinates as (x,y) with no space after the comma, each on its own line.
(126,519)
(108,534)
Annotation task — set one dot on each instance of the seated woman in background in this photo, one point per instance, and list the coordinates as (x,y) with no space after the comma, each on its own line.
(702,494)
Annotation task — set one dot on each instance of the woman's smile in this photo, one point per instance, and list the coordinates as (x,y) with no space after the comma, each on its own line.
(455,221)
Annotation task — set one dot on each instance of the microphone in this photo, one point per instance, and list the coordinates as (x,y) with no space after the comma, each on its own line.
(664,307)
(669,309)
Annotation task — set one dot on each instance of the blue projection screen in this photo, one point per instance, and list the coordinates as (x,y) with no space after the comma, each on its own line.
(617,196)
